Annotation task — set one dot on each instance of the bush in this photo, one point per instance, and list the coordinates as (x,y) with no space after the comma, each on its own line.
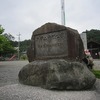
(23,57)
(96,73)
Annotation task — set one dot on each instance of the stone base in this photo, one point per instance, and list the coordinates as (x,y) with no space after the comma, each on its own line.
(57,74)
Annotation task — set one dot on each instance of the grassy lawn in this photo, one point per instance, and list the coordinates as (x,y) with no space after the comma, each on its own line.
(96,73)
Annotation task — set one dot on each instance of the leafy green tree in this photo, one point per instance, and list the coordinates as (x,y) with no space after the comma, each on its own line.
(1,29)
(5,45)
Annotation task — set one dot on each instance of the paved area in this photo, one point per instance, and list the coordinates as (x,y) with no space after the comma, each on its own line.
(9,71)
(11,89)
(97,64)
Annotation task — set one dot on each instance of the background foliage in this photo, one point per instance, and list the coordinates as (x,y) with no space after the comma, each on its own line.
(93,35)
(5,45)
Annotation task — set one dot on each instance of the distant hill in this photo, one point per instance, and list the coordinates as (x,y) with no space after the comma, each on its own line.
(93,35)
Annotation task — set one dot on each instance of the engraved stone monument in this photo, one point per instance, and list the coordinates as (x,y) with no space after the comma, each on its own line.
(55,55)
(55,41)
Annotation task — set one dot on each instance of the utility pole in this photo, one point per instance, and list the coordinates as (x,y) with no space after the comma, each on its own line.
(19,46)
(62,12)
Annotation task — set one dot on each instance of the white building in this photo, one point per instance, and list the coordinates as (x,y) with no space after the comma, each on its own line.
(84,39)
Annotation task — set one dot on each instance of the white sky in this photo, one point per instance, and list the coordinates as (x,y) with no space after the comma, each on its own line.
(24,16)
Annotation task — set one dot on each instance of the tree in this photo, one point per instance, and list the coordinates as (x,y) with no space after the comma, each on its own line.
(1,29)
(23,45)
(9,36)
(5,45)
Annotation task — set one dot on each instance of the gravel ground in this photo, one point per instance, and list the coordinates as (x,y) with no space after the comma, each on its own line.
(9,71)
(23,92)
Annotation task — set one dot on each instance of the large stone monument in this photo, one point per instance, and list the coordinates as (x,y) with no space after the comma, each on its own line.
(55,55)
(55,41)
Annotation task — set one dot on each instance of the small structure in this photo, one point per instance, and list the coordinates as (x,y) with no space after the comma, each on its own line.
(94,49)
(84,39)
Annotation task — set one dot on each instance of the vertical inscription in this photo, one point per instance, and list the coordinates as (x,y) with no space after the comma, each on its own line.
(51,44)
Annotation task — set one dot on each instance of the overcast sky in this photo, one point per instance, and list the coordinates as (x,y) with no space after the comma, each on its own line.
(24,16)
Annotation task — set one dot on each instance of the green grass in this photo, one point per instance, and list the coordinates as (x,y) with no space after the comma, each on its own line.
(96,73)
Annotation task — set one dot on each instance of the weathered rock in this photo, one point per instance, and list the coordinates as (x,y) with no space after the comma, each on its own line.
(53,41)
(65,70)
(57,74)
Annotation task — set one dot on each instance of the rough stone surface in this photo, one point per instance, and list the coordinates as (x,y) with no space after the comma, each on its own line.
(64,71)
(52,41)
(57,74)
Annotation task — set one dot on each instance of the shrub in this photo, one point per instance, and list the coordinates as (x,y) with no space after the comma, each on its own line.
(96,73)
